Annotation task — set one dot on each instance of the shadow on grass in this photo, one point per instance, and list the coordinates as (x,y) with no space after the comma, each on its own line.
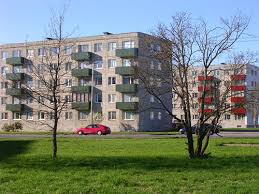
(9,148)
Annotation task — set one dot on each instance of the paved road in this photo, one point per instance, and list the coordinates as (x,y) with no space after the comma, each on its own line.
(118,136)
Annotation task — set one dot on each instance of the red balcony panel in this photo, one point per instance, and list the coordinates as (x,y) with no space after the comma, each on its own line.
(238,99)
(238,88)
(203,78)
(241,111)
(238,77)
(207,111)
(206,88)
(207,100)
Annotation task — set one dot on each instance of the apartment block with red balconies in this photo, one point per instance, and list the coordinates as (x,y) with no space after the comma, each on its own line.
(242,100)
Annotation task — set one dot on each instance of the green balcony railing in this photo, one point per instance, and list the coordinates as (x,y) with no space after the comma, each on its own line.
(125,70)
(127,105)
(14,91)
(16,61)
(127,53)
(81,89)
(81,56)
(81,72)
(15,107)
(127,88)
(81,106)
(15,76)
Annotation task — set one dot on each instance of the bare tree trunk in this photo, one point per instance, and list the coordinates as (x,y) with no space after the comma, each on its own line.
(190,144)
(54,140)
(199,146)
(206,144)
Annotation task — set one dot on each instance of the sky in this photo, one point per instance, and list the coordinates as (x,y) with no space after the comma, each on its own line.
(27,20)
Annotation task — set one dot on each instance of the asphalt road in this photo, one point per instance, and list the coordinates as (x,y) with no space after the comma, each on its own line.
(118,136)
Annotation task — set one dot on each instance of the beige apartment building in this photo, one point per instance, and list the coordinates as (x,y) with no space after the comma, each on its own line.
(242,83)
(100,81)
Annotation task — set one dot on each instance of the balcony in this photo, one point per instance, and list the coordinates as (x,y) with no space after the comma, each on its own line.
(238,88)
(81,56)
(15,107)
(204,78)
(81,106)
(125,70)
(81,72)
(127,88)
(16,61)
(15,76)
(207,111)
(239,111)
(206,88)
(238,77)
(127,53)
(14,91)
(238,100)
(81,89)
(207,100)
(127,106)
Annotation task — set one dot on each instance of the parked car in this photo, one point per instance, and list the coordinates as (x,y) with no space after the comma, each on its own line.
(96,129)
(213,128)
(177,125)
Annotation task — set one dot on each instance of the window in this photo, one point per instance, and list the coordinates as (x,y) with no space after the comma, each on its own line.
(41,99)
(112,46)
(195,117)
(83,82)
(4,70)
(194,84)
(97,47)
(16,100)
(68,115)
(194,73)
(83,48)
(16,53)
(41,52)
(54,50)
(82,115)
(68,50)
(152,65)
(40,84)
(16,115)
(83,65)
(128,116)
(40,68)
(195,95)
(111,115)
(152,98)
(159,116)
(4,115)
(111,80)
(4,55)
(17,69)
(159,66)
(239,117)
(68,66)
(98,64)
(29,68)
(29,116)
(30,53)
(111,98)
(195,106)
(29,100)
(126,62)
(3,100)
(128,44)
(227,117)
(127,98)
(4,85)
(127,80)
(98,98)
(68,82)
(98,80)
(151,115)
(51,115)
(111,63)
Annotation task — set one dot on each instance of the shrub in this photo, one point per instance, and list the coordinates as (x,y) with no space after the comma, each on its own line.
(17,126)
(8,128)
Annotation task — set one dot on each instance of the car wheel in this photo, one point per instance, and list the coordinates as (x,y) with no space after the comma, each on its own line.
(80,133)
(99,133)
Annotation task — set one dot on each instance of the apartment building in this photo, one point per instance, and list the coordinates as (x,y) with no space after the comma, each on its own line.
(242,97)
(100,81)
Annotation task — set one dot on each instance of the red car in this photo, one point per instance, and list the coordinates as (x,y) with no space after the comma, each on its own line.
(96,129)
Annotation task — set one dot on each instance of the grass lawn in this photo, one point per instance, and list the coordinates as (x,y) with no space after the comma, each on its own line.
(127,166)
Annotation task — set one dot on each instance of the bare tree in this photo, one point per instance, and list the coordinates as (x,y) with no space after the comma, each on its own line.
(186,46)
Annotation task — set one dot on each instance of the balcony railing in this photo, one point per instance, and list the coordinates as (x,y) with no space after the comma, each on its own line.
(16,61)
(127,53)
(81,106)
(207,100)
(127,88)
(238,77)
(127,106)
(204,78)
(81,56)
(125,70)
(238,100)
(206,88)
(81,89)
(240,110)
(14,91)
(207,110)
(81,72)
(238,88)
(15,107)
(15,76)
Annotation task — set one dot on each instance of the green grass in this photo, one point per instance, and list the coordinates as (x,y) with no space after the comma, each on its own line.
(126,166)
